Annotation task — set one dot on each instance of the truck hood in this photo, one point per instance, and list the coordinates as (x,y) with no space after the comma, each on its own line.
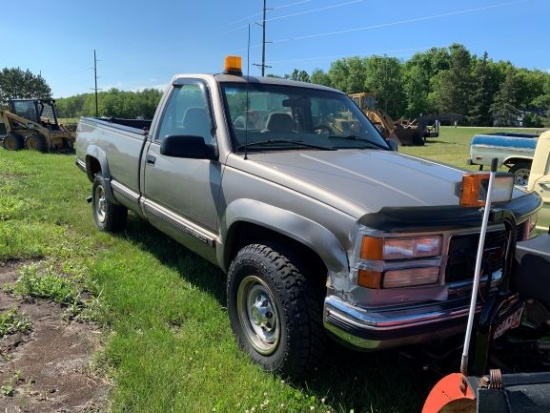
(358,181)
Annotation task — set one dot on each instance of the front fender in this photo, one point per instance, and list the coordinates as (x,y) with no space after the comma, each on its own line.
(299,228)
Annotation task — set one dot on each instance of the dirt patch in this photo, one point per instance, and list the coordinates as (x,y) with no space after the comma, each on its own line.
(48,369)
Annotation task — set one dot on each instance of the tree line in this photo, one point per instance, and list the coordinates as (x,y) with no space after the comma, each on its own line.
(437,82)
(114,102)
(16,83)
(441,81)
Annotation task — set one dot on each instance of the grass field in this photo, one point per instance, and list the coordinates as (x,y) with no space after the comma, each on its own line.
(167,341)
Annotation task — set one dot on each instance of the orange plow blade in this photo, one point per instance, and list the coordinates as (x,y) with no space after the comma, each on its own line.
(451,394)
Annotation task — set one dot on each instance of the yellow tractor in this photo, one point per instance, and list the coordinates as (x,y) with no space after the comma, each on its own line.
(33,124)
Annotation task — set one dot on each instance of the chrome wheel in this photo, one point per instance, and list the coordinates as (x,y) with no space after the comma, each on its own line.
(521,173)
(258,315)
(101,204)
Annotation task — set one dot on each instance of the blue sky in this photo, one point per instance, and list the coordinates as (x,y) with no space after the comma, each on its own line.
(142,44)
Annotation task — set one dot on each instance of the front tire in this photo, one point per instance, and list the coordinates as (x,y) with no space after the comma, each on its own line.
(275,310)
(108,216)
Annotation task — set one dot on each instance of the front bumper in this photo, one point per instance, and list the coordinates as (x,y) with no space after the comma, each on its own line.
(396,326)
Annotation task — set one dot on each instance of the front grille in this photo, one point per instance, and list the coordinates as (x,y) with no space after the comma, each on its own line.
(463,250)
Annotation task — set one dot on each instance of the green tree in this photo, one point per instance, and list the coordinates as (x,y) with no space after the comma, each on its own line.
(348,74)
(18,84)
(504,108)
(71,107)
(543,101)
(384,78)
(416,87)
(452,87)
(417,74)
(299,75)
(530,85)
(482,93)
(320,78)
(113,102)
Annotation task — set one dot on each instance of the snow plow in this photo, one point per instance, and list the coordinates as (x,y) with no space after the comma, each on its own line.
(489,380)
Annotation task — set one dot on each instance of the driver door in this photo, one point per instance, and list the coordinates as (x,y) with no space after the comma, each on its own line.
(182,193)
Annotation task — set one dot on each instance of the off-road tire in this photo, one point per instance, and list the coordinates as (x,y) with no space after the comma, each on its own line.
(13,142)
(108,216)
(275,310)
(521,173)
(36,142)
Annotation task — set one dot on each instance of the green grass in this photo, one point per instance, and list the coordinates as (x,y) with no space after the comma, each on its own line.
(167,343)
(11,322)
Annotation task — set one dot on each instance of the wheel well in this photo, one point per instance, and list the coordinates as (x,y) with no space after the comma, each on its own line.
(513,161)
(244,233)
(92,167)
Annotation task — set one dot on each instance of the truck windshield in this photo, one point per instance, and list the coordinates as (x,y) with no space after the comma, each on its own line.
(273,117)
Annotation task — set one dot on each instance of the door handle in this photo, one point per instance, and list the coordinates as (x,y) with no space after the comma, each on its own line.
(545,185)
(151,160)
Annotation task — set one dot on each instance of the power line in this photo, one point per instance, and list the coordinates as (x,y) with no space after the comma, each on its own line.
(414,20)
(314,10)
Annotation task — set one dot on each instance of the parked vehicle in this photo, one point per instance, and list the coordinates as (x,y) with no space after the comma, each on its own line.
(320,229)
(539,179)
(33,124)
(513,150)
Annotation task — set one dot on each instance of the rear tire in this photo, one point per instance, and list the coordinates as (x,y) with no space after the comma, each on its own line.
(36,142)
(13,142)
(521,173)
(108,216)
(275,310)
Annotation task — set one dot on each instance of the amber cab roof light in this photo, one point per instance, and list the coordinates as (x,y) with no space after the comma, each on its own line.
(233,65)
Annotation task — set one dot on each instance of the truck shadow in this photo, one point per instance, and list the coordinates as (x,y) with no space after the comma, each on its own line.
(383,381)
(189,265)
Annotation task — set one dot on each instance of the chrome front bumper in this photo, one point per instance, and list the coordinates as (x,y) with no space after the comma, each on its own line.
(396,326)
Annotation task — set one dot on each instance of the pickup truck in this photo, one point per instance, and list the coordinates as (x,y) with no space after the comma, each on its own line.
(539,179)
(320,226)
(512,149)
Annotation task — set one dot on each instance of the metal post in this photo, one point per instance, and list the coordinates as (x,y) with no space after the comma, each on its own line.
(95,79)
(263,41)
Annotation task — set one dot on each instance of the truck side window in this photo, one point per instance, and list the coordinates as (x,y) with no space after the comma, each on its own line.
(187,114)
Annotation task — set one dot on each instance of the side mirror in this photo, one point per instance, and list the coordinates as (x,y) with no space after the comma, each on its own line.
(187,146)
(393,144)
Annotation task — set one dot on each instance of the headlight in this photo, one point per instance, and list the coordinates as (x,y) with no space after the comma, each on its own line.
(410,277)
(397,262)
(400,248)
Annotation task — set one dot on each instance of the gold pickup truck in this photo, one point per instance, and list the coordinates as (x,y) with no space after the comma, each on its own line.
(539,180)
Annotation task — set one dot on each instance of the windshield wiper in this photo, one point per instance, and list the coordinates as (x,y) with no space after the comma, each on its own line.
(360,139)
(269,142)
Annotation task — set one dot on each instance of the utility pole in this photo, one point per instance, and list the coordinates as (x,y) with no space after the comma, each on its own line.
(263,65)
(95,79)
(263,41)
